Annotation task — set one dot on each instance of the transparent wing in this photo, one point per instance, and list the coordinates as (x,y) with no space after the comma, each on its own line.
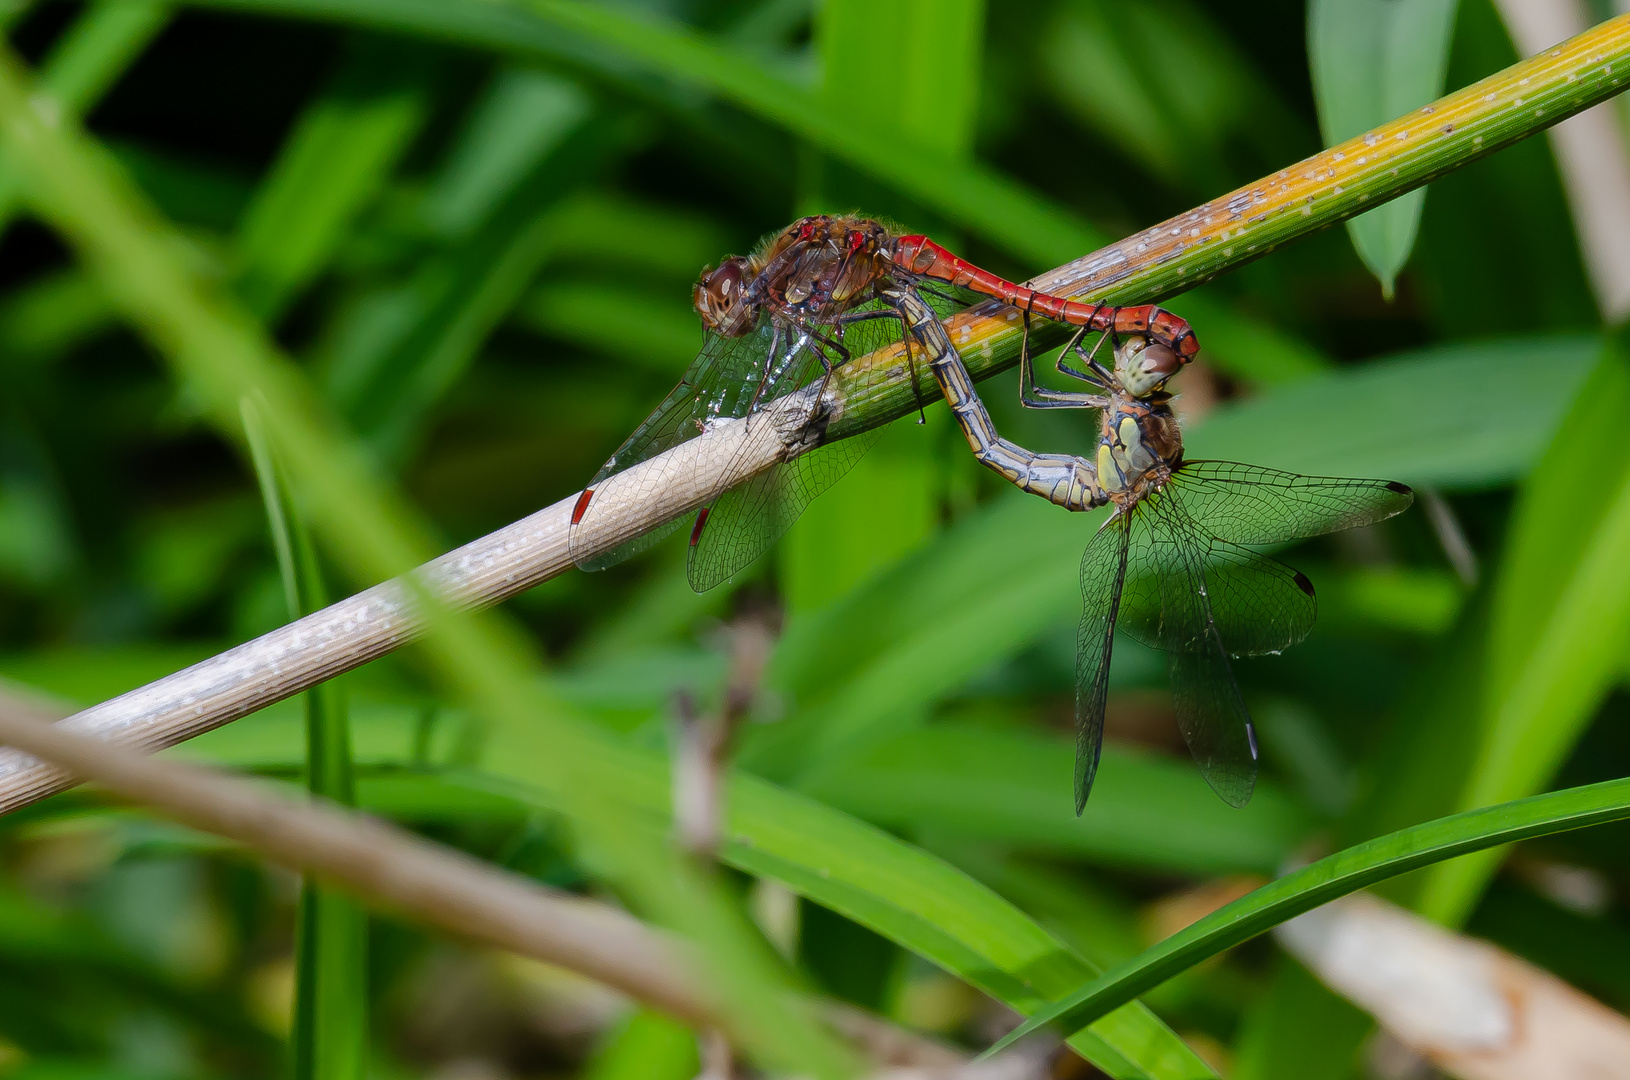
(724,381)
(745,521)
(1103,570)
(1257,605)
(1210,711)
(1246,504)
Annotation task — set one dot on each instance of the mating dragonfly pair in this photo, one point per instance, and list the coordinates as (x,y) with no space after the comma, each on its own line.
(1173,564)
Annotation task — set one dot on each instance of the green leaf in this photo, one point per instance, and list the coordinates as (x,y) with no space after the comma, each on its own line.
(1331,877)
(1560,619)
(1366,420)
(903,893)
(645,1046)
(1373,60)
(1013,789)
(523,116)
(1094,55)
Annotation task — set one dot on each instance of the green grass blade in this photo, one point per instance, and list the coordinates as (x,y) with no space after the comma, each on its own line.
(1331,877)
(1561,612)
(909,896)
(86,62)
(455,301)
(335,161)
(524,114)
(1373,60)
(331,1011)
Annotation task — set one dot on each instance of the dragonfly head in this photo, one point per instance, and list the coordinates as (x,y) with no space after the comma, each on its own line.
(721,300)
(1142,366)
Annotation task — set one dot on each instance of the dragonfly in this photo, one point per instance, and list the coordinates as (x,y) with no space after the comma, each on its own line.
(1175,564)
(776,323)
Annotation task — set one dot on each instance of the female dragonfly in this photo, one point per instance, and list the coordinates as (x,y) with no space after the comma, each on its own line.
(1173,564)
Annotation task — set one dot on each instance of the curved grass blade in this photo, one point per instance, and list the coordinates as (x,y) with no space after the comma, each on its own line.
(1331,877)
(331,1012)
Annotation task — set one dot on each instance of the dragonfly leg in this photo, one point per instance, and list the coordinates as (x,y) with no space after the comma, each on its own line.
(769,366)
(1032,396)
(1101,375)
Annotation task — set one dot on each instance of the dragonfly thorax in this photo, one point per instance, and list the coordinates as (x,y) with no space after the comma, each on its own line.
(812,271)
(1141,445)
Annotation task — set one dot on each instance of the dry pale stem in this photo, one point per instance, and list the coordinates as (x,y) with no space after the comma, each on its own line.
(388,868)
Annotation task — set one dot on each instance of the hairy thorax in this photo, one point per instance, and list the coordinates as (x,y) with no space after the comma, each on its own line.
(1139,447)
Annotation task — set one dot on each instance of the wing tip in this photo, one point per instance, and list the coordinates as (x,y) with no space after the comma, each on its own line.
(1400,489)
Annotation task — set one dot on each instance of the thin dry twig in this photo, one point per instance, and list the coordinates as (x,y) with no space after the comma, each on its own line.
(703,741)
(389,868)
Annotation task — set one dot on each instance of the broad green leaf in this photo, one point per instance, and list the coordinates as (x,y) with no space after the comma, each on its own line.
(1329,878)
(1013,789)
(1373,60)
(1560,620)
(1367,421)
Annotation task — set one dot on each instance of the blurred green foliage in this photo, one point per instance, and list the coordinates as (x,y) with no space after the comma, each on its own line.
(475,227)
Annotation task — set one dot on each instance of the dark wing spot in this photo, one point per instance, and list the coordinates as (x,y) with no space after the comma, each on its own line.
(1399,489)
(1303,583)
(701,523)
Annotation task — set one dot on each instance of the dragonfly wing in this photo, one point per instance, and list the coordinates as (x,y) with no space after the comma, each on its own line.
(1210,711)
(743,522)
(1247,504)
(1103,572)
(721,383)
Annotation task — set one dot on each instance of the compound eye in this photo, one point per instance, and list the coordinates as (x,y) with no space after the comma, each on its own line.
(1144,366)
